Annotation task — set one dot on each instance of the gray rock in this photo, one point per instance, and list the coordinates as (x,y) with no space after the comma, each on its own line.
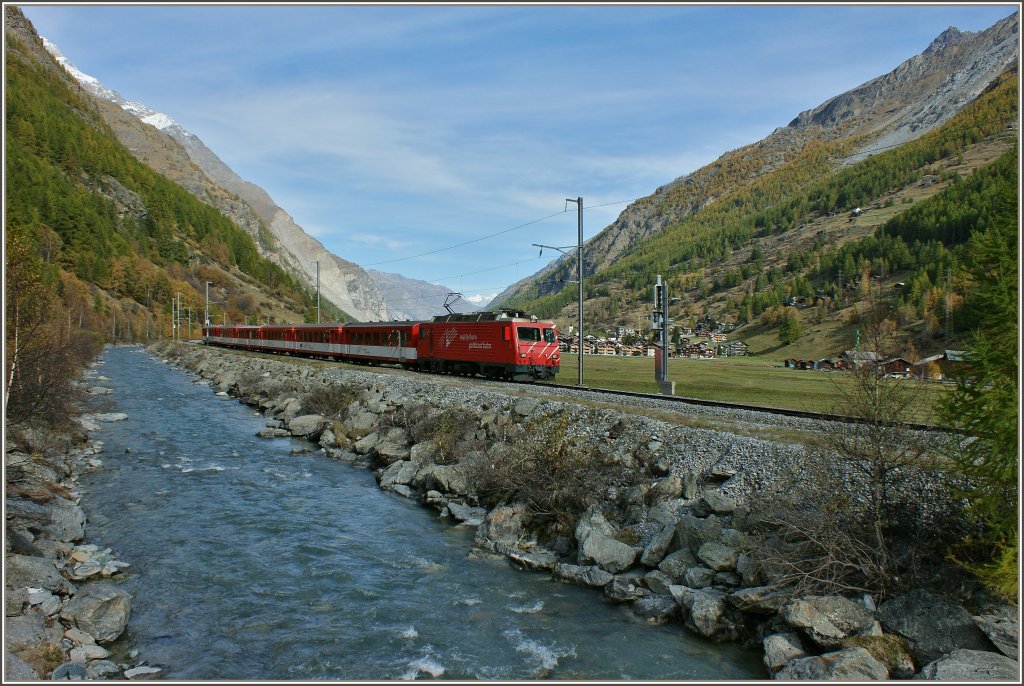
(657,547)
(597,545)
(658,582)
(709,616)
(35,572)
(747,569)
(671,487)
(15,602)
(398,473)
(308,426)
(693,532)
(698,577)
(16,669)
(101,669)
(717,556)
(502,528)
(624,589)
(99,609)
(849,664)
(764,600)
(366,444)
(827,620)
(535,558)
(583,575)
(931,626)
(69,671)
(446,478)
(972,665)
(526,406)
(143,673)
(689,486)
(423,453)
(780,649)
(84,653)
(29,631)
(1002,630)
(719,503)
(656,608)
(67,520)
(676,564)
(468,515)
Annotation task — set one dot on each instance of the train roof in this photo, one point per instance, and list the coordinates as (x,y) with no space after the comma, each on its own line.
(501,315)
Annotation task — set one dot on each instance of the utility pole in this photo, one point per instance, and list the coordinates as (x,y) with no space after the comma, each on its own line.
(177,320)
(206,319)
(318,291)
(579,276)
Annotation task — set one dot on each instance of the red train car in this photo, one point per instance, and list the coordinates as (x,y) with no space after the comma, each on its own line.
(505,345)
(502,345)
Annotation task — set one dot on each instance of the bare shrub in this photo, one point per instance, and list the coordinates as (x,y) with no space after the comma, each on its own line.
(557,475)
(330,400)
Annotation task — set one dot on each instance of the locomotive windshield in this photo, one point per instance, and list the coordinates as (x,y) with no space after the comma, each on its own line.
(529,334)
(549,336)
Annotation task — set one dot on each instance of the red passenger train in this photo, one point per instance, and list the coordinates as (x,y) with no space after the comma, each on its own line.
(497,345)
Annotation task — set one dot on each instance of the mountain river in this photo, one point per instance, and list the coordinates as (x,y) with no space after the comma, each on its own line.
(250,563)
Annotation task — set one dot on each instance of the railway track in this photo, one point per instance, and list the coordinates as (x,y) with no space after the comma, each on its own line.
(801,414)
(604,394)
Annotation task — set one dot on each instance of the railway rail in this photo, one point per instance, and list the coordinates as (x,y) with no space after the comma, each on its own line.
(802,414)
(609,394)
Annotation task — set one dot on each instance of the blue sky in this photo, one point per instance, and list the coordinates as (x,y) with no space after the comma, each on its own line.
(393,131)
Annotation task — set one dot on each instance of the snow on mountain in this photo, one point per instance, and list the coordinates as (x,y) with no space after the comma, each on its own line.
(344,283)
(155,119)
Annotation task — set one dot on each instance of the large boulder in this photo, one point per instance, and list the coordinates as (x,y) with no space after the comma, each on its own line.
(1003,630)
(827,620)
(931,626)
(657,547)
(308,426)
(398,473)
(29,631)
(849,664)
(717,556)
(35,572)
(710,617)
(16,669)
(971,665)
(597,544)
(675,564)
(781,649)
(502,528)
(100,610)
(446,478)
(656,608)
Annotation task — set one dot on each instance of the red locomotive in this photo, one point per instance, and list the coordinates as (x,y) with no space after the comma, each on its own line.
(498,345)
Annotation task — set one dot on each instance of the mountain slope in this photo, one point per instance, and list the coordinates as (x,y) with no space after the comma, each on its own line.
(414,299)
(104,234)
(145,133)
(913,99)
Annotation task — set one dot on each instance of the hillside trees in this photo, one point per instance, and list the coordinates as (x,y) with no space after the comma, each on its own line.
(984,404)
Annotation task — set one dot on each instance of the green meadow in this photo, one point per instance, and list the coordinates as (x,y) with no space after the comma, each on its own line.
(744,380)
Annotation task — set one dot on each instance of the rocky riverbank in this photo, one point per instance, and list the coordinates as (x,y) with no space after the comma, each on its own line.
(63,609)
(663,526)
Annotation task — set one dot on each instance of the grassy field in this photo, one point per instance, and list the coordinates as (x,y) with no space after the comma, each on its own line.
(745,380)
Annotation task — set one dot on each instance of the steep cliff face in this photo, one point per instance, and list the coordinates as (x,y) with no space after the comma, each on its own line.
(920,94)
(168,148)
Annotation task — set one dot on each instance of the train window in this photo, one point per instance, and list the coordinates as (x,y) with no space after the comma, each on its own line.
(529,334)
(549,335)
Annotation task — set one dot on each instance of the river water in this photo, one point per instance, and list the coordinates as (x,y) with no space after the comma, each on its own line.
(249,563)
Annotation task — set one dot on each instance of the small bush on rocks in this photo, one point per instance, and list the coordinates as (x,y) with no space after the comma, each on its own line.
(328,400)
(554,473)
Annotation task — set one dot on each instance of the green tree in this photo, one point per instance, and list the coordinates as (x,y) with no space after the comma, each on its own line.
(790,329)
(984,403)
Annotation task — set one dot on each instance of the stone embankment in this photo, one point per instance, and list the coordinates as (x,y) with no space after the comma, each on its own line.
(652,514)
(63,608)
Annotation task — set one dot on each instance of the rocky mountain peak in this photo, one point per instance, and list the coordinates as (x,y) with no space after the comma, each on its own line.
(951,36)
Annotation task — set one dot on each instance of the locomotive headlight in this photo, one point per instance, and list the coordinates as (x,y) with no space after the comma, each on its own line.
(522,354)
